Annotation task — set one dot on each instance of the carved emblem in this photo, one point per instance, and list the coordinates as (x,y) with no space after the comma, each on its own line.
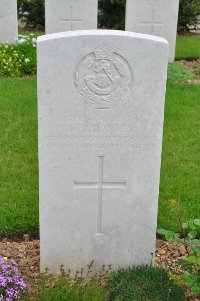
(103,79)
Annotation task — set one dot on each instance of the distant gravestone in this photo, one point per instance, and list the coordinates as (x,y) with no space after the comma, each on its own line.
(101,101)
(8,21)
(155,17)
(67,15)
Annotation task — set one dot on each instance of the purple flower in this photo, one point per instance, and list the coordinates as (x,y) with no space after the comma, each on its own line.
(3,281)
(9,279)
(11,284)
(15,269)
(13,262)
(5,267)
(10,292)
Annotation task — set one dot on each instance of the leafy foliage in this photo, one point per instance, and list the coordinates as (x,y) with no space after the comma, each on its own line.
(144,283)
(190,231)
(19,59)
(33,12)
(189,12)
(112,14)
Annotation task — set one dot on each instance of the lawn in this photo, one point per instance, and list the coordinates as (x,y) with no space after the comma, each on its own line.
(18,157)
(188,47)
(180,172)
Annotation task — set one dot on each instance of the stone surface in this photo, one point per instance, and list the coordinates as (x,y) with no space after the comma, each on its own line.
(8,21)
(101,101)
(155,17)
(65,15)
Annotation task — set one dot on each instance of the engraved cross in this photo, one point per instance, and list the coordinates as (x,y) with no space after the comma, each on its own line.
(153,23)
(71,19)
(100,185)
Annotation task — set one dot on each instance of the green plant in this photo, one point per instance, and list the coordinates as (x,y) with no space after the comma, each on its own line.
(32,12)
(83,287)
(19,59)
(144,283)
(190,231)
(178,73)
(112,14)
(189,12)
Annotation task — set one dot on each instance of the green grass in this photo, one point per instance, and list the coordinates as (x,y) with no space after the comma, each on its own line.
(187,47)
(18,157)
(180,172)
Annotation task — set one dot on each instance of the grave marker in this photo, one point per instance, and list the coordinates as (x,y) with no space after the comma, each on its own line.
(156,17)
(101,102)
(8,21)
(65,15)
(152,23)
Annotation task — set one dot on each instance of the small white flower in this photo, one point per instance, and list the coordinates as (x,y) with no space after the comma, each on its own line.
(26,61)
(21,41)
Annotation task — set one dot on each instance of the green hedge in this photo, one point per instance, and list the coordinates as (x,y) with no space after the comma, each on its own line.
(189,13)
(112,14)
(34,13)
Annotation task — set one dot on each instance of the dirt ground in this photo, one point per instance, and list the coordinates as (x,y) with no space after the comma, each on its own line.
(27,255)
(191,66)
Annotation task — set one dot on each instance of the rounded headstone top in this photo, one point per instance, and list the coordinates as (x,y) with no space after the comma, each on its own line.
(100,32)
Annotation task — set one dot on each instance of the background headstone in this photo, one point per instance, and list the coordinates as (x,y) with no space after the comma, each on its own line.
(101,101)
(155,17)
(8,21)
(65,15)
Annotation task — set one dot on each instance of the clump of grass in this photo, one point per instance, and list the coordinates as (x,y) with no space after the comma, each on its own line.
(143,283)
(84,286)
(178,73)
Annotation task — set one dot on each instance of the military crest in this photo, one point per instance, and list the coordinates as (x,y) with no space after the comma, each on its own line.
(103,79)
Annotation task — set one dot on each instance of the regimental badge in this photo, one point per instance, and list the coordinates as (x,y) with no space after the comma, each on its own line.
(103,79)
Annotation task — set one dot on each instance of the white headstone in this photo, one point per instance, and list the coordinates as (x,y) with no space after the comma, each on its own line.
(8,21)
(65,15)
(155,17)
(101,101)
